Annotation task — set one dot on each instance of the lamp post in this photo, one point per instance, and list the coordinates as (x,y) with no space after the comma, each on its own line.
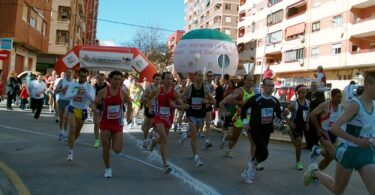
(196,56)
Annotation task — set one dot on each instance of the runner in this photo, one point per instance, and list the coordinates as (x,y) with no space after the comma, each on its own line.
(62,102)
(111,99)
(238,98)
(299,121)
(180,113)
(329,112)
(263,106)
(163,118)
(208,117)
(37,89)
(197,95)
(147,123)
(81,95)
(100,84)
(136,91)
(56,95)
(356,150)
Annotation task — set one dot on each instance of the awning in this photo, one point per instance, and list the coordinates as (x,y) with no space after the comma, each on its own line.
(294,30)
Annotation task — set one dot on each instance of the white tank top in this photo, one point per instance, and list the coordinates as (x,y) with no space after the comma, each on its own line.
(327,121)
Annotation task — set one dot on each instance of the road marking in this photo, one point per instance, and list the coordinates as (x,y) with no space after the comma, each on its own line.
(177,171)
(15,179)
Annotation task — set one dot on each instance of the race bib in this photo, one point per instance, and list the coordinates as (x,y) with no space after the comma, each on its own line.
(78,99)
(266,115)
(164,112)
(196,103)
(113,112)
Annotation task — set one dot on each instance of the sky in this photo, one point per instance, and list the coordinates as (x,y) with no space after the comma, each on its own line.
(166,14)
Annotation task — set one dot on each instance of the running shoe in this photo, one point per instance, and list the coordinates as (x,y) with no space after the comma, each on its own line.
(146,142)
(152,144)
(259,167)
(70,156)
(198,162)
(97,143)
(228,154)
(314,154)
(201,135)
(208,145)
(307,176)
(183,138)
(299,166)
(246,178)
(167,169)
(108,173)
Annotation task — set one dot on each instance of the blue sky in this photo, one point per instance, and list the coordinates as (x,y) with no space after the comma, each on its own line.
(166,14)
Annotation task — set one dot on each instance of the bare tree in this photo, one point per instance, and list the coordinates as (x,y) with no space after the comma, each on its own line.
(152,43)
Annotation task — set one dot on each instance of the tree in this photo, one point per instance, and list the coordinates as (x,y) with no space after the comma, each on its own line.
(152,43)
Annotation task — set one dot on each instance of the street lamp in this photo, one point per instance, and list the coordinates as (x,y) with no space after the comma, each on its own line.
(196,56)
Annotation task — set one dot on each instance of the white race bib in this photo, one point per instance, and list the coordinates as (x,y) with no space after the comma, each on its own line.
(164,112)
(113,112)
(196,103)
(266,115)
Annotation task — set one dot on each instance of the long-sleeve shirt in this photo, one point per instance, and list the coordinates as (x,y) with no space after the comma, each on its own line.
(262,111)
(81,101)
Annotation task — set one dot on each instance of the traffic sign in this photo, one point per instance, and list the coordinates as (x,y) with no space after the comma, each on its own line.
(6,43)
(4,54)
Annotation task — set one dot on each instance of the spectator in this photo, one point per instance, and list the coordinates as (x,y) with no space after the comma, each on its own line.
(349,91)
(315,97)
(320,77)
(24,95)
(11,89)
(268,73)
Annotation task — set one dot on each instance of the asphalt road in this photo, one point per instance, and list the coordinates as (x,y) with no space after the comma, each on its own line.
(30,148)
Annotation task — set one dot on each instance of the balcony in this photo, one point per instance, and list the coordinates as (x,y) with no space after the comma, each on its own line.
(362,28)
(362,57)
(361,3)
(241,31)
(273,58)
(242,16)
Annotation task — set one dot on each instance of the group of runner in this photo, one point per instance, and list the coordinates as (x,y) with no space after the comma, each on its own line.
(167,105)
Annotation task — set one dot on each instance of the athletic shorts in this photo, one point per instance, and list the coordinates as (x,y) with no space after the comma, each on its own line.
(209,108)
(298,131)
(328,136)
(166,122)
(354,157)
(198,122)
(148,115)
(62,104)
(78,113)
(228,121)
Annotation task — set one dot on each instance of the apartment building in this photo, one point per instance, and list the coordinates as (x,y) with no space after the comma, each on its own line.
(215,14)
(27,23)
(294,37)
(73,23)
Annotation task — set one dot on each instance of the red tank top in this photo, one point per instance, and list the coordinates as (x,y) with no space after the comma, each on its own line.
(164,110)
(112,116)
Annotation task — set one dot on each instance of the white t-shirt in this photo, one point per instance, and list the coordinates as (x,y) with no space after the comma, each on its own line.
(37,89)
(319,77)
(81,101)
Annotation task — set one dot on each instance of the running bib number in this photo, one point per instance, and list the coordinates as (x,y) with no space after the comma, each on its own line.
(164,112)
(266,115)
(78,99)
(196,103)
(113,112)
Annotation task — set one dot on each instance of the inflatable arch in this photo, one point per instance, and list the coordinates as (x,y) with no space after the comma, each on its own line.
(107,58)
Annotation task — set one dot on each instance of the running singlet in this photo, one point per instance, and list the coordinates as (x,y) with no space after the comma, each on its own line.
(64,83)
(197,108)
(98,88)
(164,113)
(332,116)
(237,117)
(113,116)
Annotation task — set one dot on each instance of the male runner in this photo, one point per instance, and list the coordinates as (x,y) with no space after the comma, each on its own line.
(99,85)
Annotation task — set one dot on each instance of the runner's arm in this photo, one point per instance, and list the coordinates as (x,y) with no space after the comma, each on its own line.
(230,98)
(90,94)
(128,101)
(249,104)
(314,116)
(71,93)
(180,104)
(210,99)
(98,100)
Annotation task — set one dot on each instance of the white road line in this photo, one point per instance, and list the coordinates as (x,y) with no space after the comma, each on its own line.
(177,171)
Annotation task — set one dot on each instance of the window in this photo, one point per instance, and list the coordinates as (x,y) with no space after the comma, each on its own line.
(62,37)
(64,14)
(228,6)
(316,26)
(228,19)
(372,45)
(253,27)
(273,2)
(315,52)
(33,19)
(337,21)
(25,12)
(336,48)
(295,31)
(275,37)
(293,55)
(39,24)
(275,17)
(227,31)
